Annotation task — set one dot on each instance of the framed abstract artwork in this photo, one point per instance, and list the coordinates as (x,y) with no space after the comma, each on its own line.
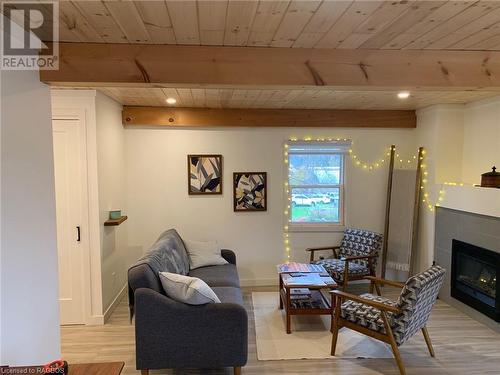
(250,191)
(204,174)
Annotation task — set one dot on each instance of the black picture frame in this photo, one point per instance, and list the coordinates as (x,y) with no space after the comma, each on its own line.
(250,191)
(204,174)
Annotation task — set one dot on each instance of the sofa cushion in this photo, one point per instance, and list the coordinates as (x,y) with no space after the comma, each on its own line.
(225,275)
(186,289)
(229,294)
(203,253)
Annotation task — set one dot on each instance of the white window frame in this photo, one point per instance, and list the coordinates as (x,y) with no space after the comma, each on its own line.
(343,148)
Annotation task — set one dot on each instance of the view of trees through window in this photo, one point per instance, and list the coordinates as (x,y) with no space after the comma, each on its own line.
(315,186)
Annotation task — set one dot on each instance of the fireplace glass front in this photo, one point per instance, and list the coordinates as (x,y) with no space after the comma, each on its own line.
(474,278)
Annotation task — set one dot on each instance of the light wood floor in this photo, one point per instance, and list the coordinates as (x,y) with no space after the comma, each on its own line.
(462,345)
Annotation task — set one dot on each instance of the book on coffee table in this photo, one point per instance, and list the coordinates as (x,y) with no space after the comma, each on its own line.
(312,279)
(300,294)
(299,267)
(302,291)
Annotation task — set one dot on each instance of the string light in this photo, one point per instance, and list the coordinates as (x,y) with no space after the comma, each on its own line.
(286,212)
(423,187)
(404,163)
(430,205)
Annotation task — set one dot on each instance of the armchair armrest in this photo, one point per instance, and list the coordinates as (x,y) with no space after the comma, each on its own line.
(170,334)
(378,280)
(314,249)
(228,255)
(377,305)
(357,257)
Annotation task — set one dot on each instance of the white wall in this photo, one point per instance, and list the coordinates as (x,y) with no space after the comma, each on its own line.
(115,257)
(158,198)
(440,132)
(462,143)
(29,281)
(481,139)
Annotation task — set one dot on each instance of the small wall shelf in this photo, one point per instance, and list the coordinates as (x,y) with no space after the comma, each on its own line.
(113,222)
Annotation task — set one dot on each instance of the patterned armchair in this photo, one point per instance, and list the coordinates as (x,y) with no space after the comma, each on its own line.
(392,322)
(354,259)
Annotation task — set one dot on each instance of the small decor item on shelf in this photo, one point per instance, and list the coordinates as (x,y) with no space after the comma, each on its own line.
(491,179)
(250,191)
(115,214)
(204,174)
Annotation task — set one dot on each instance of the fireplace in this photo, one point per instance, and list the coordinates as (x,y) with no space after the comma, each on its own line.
(474,280)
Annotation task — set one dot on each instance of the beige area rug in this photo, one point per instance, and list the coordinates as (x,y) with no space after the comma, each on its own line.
(310,337)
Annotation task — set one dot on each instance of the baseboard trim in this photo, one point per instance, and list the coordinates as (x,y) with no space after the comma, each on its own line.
(115,303)
(259,282)
(95,320)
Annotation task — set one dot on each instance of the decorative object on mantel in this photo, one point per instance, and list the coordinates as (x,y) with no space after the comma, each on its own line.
(491,179)
(204,174)
(115,214)
(114,222)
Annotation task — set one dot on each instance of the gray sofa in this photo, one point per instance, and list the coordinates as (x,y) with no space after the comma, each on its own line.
(170,334)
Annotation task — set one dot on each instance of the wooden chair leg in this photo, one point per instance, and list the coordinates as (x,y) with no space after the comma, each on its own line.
(428,341)
(346,277)
(335,324)
(372,284)
(237,370)
(144,372)
(394,346)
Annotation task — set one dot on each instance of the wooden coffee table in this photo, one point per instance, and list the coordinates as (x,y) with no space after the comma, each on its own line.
(316,282)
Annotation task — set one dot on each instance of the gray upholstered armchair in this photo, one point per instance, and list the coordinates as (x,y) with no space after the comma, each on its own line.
(392,322)
(354,259)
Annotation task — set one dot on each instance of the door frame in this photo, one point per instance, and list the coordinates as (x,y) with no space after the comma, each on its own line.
(80,105)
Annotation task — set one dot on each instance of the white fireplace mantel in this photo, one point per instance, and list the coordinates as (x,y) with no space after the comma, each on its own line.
(478,200)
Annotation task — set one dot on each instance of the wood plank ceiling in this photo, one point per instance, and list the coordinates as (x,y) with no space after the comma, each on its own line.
(448,25)
(391,25)
(287,99)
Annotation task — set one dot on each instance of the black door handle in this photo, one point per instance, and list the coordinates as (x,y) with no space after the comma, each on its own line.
(78,233)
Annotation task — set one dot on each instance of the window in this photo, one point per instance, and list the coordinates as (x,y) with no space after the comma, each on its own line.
(316,183)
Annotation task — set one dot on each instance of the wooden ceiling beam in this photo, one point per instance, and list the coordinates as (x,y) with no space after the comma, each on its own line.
(308,118)
(156,65)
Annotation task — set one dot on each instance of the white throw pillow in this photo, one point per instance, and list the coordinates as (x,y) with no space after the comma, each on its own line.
(203,253)
(186,289)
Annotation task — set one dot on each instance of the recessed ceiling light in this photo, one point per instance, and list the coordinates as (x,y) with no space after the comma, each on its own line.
(171,101)
(403,95)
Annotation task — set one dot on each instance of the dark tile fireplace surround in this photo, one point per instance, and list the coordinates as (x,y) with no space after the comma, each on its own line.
(468,246)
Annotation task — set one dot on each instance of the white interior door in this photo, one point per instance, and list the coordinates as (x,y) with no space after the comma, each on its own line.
(68,167)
